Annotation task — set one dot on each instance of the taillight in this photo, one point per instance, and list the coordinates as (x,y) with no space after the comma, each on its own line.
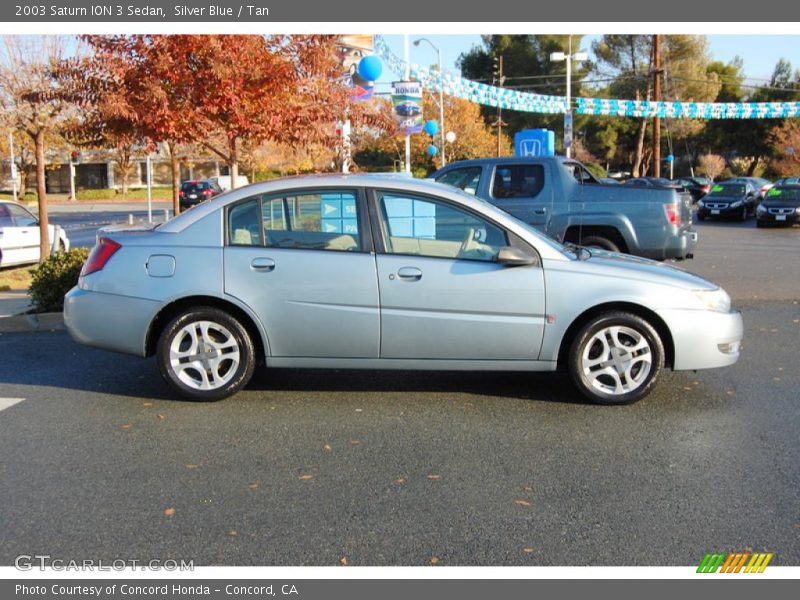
(100,255)
(673,214)
(705,189)
(206,192)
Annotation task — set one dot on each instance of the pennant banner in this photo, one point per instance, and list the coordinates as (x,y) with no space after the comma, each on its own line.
(489,95)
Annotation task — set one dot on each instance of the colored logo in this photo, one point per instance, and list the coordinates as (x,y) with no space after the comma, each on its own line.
(735,562)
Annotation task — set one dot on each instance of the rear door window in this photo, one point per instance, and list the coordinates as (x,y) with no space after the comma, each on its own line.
(517,181)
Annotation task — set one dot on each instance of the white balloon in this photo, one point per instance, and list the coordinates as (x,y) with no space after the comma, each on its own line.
(450,136)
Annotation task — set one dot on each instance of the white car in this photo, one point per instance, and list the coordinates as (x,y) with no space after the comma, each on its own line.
(19,235)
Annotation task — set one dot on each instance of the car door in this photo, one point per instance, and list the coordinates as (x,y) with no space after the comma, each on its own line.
(443,295)
(19,233)
(303,262)
(519,189)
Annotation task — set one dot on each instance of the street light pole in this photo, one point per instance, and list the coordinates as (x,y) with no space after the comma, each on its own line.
(441,96)
(569,57)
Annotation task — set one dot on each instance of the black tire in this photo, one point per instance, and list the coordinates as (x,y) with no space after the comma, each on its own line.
(598,241)
(743,216)
(228,344)
(701,216)
(587,347)
(760,224)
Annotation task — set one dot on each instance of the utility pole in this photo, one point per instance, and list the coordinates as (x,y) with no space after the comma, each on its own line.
(499,79)
(657,98)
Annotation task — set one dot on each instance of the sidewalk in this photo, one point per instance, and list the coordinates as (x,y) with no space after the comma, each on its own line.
(14,318)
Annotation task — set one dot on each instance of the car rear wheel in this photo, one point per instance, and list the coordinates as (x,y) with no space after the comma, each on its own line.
(616,358)
(598,241)
(205,354)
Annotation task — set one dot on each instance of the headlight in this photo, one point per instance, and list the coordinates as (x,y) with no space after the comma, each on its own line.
(717,300)
(760,210)
(797,210)
(736,204)
(700,203)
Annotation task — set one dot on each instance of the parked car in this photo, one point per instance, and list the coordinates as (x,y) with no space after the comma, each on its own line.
(761,185)
(726,199)
(786,181)
(562,198)
(20,236)
(696,186)
(780,207)
(195,192)
(224,181)
(610,180)
(371,272)
(653,182)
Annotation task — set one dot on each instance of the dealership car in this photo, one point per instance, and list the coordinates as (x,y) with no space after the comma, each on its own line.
(696,186)
(726,199)
(381,272)
(20,236)
(761,185)
(195,192)
(780,207)
(408,109)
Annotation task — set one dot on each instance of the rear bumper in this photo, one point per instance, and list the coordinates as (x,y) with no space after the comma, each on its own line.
(679,246)
(108,321)
(704,339)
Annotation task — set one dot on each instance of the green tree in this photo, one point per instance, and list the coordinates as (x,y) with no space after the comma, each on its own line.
(526,67)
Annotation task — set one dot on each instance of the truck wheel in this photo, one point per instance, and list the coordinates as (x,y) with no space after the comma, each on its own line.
(598,241)
(615,358)
(205,354)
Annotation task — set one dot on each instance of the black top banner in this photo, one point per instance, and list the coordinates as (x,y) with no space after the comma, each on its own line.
(364,11)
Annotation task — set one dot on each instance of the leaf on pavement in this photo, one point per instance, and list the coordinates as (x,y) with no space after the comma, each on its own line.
(522,502)
(305,477)
(327,448)
(254,485)
(400,481)
(233,533)
(434,560)
(168,512)
(527,550)
(344,561)
(161,417)
(192,466)
(355,442)
(147,404)
(434,477)
(126,426)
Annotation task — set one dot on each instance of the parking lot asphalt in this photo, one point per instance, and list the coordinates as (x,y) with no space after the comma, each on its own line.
(399,468)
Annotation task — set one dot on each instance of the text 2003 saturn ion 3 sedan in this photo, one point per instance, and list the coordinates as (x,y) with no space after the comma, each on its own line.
(372,272)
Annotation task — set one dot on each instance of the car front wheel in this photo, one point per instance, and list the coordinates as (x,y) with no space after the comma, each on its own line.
(205,354)
(616,358)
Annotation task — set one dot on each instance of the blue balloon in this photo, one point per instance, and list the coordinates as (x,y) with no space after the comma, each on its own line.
(670,158)
(370,68)
(431,127)
(432,150)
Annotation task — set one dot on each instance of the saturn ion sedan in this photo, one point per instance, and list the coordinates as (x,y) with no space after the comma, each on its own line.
(381,272)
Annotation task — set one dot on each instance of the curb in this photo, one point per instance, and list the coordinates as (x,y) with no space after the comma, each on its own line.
(34,322)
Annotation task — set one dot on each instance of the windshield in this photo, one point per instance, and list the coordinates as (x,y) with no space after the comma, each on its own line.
(727,189)
(784,195)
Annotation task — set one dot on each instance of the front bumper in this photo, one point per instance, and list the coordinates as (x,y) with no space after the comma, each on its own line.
(108,321)
(705,212)
(768,219)
(704,339)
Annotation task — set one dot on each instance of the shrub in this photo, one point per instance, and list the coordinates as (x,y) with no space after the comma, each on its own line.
(54,277)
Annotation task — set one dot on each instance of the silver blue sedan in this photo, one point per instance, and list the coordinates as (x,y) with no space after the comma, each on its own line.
(379,272)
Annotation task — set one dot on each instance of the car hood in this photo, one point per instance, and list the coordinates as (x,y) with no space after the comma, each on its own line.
(625,266)
(725,198)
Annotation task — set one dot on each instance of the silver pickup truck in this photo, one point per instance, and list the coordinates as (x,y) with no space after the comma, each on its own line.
(559,196)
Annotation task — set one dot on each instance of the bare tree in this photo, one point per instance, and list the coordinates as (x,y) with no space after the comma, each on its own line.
(25,95)
(711,165)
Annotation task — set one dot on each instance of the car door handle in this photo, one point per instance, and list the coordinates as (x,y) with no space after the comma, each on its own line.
(262,264)
(409,273)
(540,211)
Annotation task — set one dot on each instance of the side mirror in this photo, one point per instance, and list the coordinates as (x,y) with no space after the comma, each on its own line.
(514,257)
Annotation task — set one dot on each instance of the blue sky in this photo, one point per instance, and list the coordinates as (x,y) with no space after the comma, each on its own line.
(759,52)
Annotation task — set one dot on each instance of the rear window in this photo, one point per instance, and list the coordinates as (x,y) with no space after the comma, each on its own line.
(197,186)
